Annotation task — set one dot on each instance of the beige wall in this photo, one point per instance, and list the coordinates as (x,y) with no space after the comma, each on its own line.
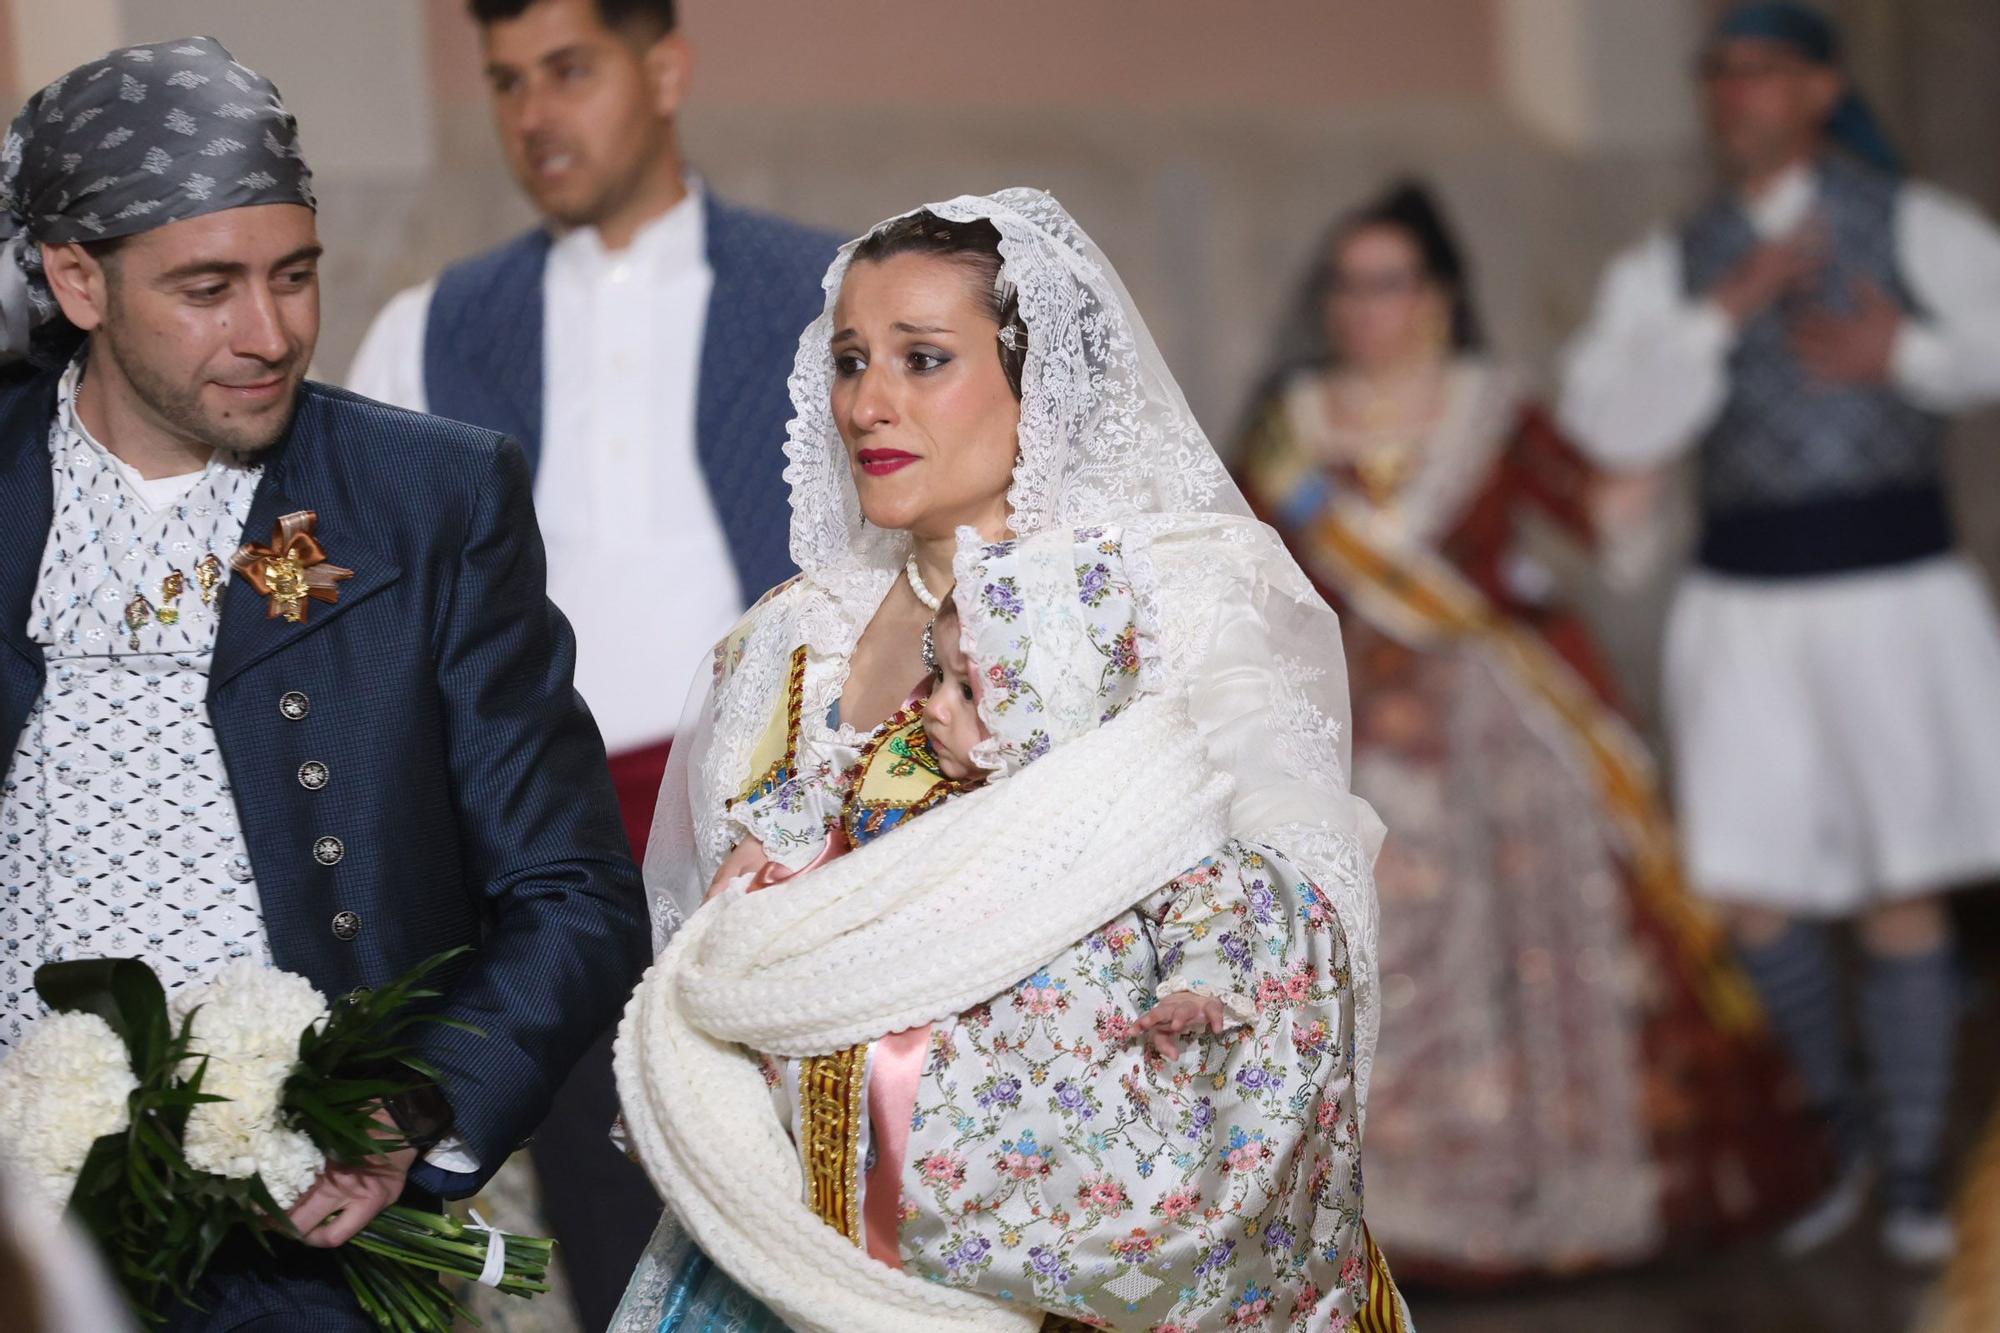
(46,37)
(1204,146)
(356,76)
(1598,76)
(9,56)
(1293,54)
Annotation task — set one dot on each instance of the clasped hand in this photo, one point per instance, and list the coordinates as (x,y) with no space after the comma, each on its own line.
(347,1197)
(746,858)
(1180,1012)
(1857,348)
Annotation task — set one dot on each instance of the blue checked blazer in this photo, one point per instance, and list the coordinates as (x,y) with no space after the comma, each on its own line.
(467,787)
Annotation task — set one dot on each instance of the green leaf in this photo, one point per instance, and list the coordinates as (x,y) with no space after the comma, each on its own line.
(209,1237)
(260,1192)
(122,991)
(161,1223)
(99,1164)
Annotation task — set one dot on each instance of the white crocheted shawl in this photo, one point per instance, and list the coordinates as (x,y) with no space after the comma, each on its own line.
(912,928)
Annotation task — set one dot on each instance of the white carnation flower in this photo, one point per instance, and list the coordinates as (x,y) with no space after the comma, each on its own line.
(252,1012)
(65,1087)
(248,1021)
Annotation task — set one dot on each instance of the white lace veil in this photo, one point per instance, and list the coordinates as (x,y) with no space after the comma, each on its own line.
(1104,429)
(1105,436)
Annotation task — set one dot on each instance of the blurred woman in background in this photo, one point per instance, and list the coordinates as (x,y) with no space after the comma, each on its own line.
(1575,1075)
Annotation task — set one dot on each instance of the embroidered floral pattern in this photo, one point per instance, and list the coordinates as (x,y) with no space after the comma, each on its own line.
(1051,1157)
(1060,633)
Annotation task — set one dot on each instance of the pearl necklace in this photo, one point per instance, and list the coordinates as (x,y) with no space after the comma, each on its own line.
(917,585)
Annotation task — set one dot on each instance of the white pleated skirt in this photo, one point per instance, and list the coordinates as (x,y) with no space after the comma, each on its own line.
(1836,740)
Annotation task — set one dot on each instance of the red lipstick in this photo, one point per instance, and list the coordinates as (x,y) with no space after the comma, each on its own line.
(881,462)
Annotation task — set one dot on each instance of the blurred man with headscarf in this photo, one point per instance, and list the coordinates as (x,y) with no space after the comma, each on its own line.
(1833,662)
(278,676)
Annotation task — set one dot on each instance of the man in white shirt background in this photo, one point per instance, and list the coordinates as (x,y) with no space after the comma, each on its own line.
(1833,661)
(638,346)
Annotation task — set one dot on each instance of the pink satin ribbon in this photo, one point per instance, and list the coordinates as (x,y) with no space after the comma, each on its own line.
(777,872)
(895,1066)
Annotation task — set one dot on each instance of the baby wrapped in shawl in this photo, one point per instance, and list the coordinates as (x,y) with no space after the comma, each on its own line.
(1024,1146)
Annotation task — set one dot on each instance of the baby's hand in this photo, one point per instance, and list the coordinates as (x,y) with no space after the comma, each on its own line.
(1181,1011)
(746,858)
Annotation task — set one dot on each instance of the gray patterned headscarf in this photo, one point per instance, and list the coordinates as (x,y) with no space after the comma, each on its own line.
(139,138)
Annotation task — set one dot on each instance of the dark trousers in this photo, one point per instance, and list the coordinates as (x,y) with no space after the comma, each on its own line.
(599,1204)
(292,1289)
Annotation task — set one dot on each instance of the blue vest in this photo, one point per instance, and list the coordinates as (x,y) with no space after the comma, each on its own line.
(483,364)
(1800,477)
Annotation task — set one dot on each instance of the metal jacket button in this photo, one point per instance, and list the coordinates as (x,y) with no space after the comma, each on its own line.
(328,851)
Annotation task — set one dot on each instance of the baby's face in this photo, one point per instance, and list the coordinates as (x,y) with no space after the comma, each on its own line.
(951,714)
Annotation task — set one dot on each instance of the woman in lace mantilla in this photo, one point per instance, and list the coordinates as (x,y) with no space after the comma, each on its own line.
(900,420)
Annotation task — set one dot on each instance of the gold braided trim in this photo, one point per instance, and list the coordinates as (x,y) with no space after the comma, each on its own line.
(830,1108)
(1384,1312)
(896,776)
(780,741)
(1423,597)
(1440,602)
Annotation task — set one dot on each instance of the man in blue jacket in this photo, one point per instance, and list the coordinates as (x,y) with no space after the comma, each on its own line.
(279,677)
(638,345)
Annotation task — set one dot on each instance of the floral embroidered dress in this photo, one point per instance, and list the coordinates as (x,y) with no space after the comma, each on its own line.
(1140,1195)
(1051,1159)
(1046,1157)
(1580,1077)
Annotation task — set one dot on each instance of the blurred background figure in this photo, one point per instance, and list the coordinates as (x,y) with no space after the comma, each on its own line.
(1574,1076)
(51,1280)
(637,344)
(1833,663)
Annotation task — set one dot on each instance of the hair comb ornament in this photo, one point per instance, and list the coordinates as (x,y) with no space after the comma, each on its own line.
(1013,338)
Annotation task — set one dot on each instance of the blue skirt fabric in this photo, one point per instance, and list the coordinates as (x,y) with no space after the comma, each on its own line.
(678,1289)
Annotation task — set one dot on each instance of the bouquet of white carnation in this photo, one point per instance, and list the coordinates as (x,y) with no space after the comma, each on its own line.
(245,1025)
(168,1128)
(65,1089)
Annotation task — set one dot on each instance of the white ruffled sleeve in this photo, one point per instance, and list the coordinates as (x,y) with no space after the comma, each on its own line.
(390,365)
(1947,357)
(1649,371)
(1267,686)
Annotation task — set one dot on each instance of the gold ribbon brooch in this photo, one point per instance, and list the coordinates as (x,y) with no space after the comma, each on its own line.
(292,571)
